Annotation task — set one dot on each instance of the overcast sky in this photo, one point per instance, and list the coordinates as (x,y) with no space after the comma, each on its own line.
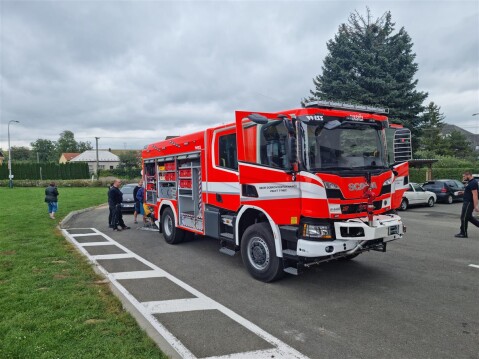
(132,72)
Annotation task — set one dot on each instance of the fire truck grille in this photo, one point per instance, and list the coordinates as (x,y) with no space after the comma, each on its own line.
(358,207)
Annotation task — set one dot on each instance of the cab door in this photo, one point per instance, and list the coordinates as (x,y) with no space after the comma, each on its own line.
(266,175)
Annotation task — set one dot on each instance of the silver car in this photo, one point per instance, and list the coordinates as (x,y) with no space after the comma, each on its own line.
(416,195)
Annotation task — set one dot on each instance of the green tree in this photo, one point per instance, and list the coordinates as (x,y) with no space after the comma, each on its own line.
(459,146)
(20,153)
(84,146)
(46,150)
(430,126)
(129,160)
(66,143)
(369,64)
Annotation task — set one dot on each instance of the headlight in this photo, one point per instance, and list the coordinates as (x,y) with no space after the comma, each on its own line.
(322,231)
(330,185)
(387,182)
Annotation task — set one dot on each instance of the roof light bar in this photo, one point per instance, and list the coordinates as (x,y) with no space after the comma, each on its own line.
(346,106)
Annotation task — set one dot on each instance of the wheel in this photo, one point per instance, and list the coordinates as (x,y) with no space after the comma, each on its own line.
(430,202)
(449,199)
(259,253)
(404,204)
(172,234)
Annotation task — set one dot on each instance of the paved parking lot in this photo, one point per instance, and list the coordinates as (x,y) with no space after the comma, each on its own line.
(417,300)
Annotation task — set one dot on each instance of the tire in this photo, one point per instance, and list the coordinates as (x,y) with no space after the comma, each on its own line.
(171,233)
(449,199)
(404,204)
(259,253)
(430,202)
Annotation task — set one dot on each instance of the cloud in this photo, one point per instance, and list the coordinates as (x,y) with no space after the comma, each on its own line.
(134,72)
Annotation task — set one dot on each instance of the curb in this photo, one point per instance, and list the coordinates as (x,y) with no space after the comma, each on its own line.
(73,214)
(161,342)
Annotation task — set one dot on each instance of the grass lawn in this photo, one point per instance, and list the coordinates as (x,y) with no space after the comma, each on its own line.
(52,304)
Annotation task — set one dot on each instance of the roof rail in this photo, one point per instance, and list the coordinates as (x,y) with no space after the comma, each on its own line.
(346,106)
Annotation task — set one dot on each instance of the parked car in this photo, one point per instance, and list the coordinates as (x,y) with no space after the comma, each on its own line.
(128,204)
(416,195)
(446,190)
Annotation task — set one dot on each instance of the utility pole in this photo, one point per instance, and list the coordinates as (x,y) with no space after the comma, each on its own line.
(10,176)
(97,168)
(476,143)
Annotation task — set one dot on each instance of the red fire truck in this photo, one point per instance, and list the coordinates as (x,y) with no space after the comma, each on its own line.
(289,190)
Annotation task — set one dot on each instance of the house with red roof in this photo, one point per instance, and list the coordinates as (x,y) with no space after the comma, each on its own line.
(67,157)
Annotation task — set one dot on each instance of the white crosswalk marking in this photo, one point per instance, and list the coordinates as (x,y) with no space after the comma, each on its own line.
(280,351)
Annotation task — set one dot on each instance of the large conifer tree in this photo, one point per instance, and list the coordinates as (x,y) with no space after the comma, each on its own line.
(369,64)
(430,125)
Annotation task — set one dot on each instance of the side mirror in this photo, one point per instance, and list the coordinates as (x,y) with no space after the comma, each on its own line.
(293,149)
(289,126)
(257,118)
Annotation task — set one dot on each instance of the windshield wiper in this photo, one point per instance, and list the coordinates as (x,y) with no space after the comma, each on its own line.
(334,168)
(370,167)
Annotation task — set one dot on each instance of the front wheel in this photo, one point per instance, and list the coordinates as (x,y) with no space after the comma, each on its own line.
(259,253)
(430,202)
(449,199)
(404,204)
(172,234)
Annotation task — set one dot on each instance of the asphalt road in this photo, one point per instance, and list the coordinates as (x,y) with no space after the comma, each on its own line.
(420,299)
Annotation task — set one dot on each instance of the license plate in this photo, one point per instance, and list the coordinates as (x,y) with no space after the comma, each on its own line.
(127,205)
(393,230)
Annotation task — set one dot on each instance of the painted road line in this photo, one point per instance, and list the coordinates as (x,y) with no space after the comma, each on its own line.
(94,244)
(474,265)
(257,354)
(170,338)
(179,305)
(139,274)
(111,256)
(281,350)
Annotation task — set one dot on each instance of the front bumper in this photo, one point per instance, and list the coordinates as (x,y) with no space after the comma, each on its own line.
(352,234)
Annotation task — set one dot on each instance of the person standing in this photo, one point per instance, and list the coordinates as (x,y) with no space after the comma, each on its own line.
(51,197)
(140,197)
(469,205)
(110,215)
(115,197)
(137,203)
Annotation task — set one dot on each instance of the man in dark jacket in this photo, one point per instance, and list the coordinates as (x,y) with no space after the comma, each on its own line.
(115,197)
(469,205)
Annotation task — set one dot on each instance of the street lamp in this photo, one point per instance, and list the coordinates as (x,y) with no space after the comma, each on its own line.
(10,176)
(97,169)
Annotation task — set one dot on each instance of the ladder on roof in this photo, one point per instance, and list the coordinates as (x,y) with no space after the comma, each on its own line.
(346,106)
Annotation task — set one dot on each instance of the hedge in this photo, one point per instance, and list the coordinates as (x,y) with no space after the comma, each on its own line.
(419,174)
(59,183)
(49,171)
(127,173)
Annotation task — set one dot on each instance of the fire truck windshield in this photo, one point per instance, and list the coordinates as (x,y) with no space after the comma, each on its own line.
(345,146)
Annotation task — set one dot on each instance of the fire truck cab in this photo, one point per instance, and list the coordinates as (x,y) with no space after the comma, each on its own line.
(289,190)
